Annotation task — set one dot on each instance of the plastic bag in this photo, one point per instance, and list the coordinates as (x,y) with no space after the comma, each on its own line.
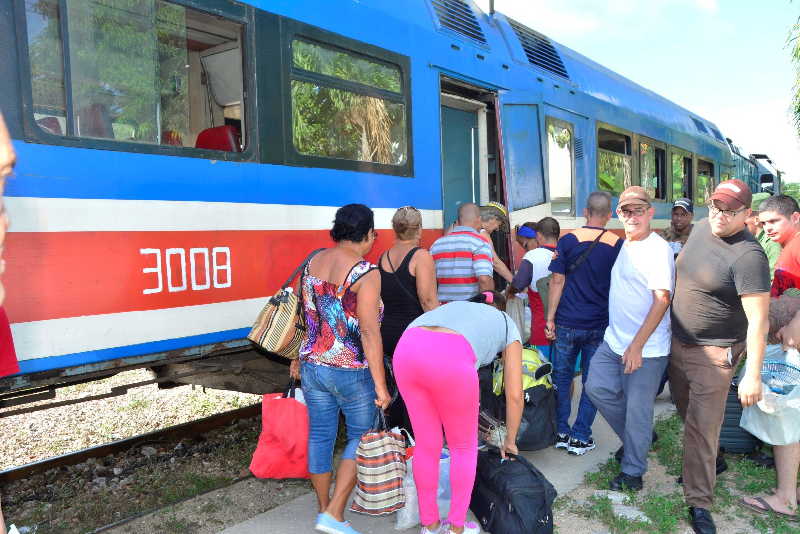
(515,308)
(282,450)
(408,516)
(774,418)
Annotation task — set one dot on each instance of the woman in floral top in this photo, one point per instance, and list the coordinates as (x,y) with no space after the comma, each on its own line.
(341,357)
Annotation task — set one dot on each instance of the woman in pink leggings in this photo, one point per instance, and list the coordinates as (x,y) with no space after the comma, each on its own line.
(436,365)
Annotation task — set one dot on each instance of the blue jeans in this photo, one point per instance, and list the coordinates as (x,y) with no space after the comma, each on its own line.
(568,344)
(328,391)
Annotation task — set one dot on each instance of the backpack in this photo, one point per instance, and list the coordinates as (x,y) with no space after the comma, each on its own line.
(537,429)
(511,496)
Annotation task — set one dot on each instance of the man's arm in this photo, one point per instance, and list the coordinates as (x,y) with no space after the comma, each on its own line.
(756,308)
(556,288)
(485,283)
(632,358)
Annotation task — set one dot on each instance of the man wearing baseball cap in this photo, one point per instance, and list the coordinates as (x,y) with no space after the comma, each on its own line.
(627,368)
(720,309)
(681,225)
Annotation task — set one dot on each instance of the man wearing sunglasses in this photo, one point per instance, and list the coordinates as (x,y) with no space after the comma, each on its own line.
(719,312)
(627,367)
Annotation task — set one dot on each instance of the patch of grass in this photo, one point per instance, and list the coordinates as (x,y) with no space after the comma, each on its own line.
(772,524)
(664,511)
(189,484)
(669,447)
(601,509)
(601,478)
(752,479)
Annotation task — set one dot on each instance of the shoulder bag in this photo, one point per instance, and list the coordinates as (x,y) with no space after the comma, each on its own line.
(281,325)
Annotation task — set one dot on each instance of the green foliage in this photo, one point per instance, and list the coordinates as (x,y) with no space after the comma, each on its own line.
(339,123)
(791,189)
(601,478)
(665,511)
(669,447)
(613,171)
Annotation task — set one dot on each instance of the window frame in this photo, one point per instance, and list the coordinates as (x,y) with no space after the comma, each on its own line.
(655,143)
(634,161)
(294,30)
(227,9)
(674,150)
(714,173)
(573,184)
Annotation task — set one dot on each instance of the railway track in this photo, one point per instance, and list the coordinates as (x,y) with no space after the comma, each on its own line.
(192,428)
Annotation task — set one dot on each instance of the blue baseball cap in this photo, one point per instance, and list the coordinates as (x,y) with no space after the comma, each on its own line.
(684,203)
(527,232)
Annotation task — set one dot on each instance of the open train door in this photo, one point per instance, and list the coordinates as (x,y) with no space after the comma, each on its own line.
(470,153)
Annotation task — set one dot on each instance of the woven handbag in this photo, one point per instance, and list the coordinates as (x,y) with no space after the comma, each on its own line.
(281,325)
(380,469)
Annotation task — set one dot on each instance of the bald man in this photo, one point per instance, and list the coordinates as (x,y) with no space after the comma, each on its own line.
(463,259)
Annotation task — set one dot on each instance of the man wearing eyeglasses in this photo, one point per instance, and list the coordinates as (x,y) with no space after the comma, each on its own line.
(627,368)
(719,312)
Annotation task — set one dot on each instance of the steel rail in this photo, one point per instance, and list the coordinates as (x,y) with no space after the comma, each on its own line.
(192,428)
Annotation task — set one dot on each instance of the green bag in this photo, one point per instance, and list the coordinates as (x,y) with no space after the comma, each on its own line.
(533,372)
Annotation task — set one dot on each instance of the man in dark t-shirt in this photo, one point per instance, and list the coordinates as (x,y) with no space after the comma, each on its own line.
(720,309)
(577,315)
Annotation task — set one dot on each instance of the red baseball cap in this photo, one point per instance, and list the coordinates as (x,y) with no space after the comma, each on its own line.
(734,193)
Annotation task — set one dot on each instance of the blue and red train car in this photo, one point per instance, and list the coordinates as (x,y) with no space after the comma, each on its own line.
(178,157)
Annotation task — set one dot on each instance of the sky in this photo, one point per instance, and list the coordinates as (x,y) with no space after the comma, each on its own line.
(726,60)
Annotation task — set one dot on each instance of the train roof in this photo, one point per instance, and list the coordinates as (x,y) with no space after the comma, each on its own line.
(433,26)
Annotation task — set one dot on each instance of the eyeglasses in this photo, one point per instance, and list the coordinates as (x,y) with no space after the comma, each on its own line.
(713,211)
(635,212)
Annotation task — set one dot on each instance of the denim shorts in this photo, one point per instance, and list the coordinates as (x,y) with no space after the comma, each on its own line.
(329,391)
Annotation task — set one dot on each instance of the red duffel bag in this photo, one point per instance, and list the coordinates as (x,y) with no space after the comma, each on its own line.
(282,450)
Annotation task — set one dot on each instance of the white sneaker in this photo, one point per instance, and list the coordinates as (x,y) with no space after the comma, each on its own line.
(469,528)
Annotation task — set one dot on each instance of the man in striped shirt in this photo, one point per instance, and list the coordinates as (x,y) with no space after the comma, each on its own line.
(463,260)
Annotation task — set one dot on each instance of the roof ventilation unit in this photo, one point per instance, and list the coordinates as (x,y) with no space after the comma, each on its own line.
(539,49)
(699,125)
(457,16)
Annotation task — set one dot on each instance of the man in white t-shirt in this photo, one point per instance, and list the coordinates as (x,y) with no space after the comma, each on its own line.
(627,368)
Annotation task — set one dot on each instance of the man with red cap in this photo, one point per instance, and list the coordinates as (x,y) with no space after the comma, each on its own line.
(719,312)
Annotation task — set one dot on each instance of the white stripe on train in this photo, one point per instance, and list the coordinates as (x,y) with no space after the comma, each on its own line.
(31,214)
(54,337)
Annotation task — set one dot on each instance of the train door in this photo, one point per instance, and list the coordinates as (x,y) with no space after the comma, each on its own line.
(461,151)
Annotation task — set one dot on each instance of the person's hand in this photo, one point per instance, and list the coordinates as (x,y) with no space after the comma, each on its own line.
(789,334)
(550,330)
(382,397)
(508,447)
(294,369)
(632,358)
(510,292)
(750,389)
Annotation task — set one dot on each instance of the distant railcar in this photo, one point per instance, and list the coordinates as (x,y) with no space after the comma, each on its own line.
(177,158)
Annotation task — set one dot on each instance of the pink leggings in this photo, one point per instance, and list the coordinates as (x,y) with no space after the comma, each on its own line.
(436,376)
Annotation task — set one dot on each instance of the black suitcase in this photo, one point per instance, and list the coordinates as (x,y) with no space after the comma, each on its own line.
(511,496)
(732,437)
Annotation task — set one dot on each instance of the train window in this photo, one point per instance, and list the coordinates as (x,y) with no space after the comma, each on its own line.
(705,182)
(560,165)
(652,166)
(146,71)
(681,174)
(347,106)
(613,161)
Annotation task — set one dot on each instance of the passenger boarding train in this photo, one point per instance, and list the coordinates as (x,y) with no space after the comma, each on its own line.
(177,158)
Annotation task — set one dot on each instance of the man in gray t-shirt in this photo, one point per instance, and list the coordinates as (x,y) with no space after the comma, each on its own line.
(720,309)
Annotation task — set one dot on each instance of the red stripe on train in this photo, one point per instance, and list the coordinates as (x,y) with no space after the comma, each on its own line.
(53,275)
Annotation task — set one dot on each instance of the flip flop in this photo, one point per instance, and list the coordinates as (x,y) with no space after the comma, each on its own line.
(764,507)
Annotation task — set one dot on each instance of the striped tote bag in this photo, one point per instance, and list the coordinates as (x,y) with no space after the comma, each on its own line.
(380,469)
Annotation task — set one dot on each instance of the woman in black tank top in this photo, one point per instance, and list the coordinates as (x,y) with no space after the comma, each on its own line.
(408,289)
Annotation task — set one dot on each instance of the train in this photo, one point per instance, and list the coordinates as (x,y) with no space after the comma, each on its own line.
(177,158)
